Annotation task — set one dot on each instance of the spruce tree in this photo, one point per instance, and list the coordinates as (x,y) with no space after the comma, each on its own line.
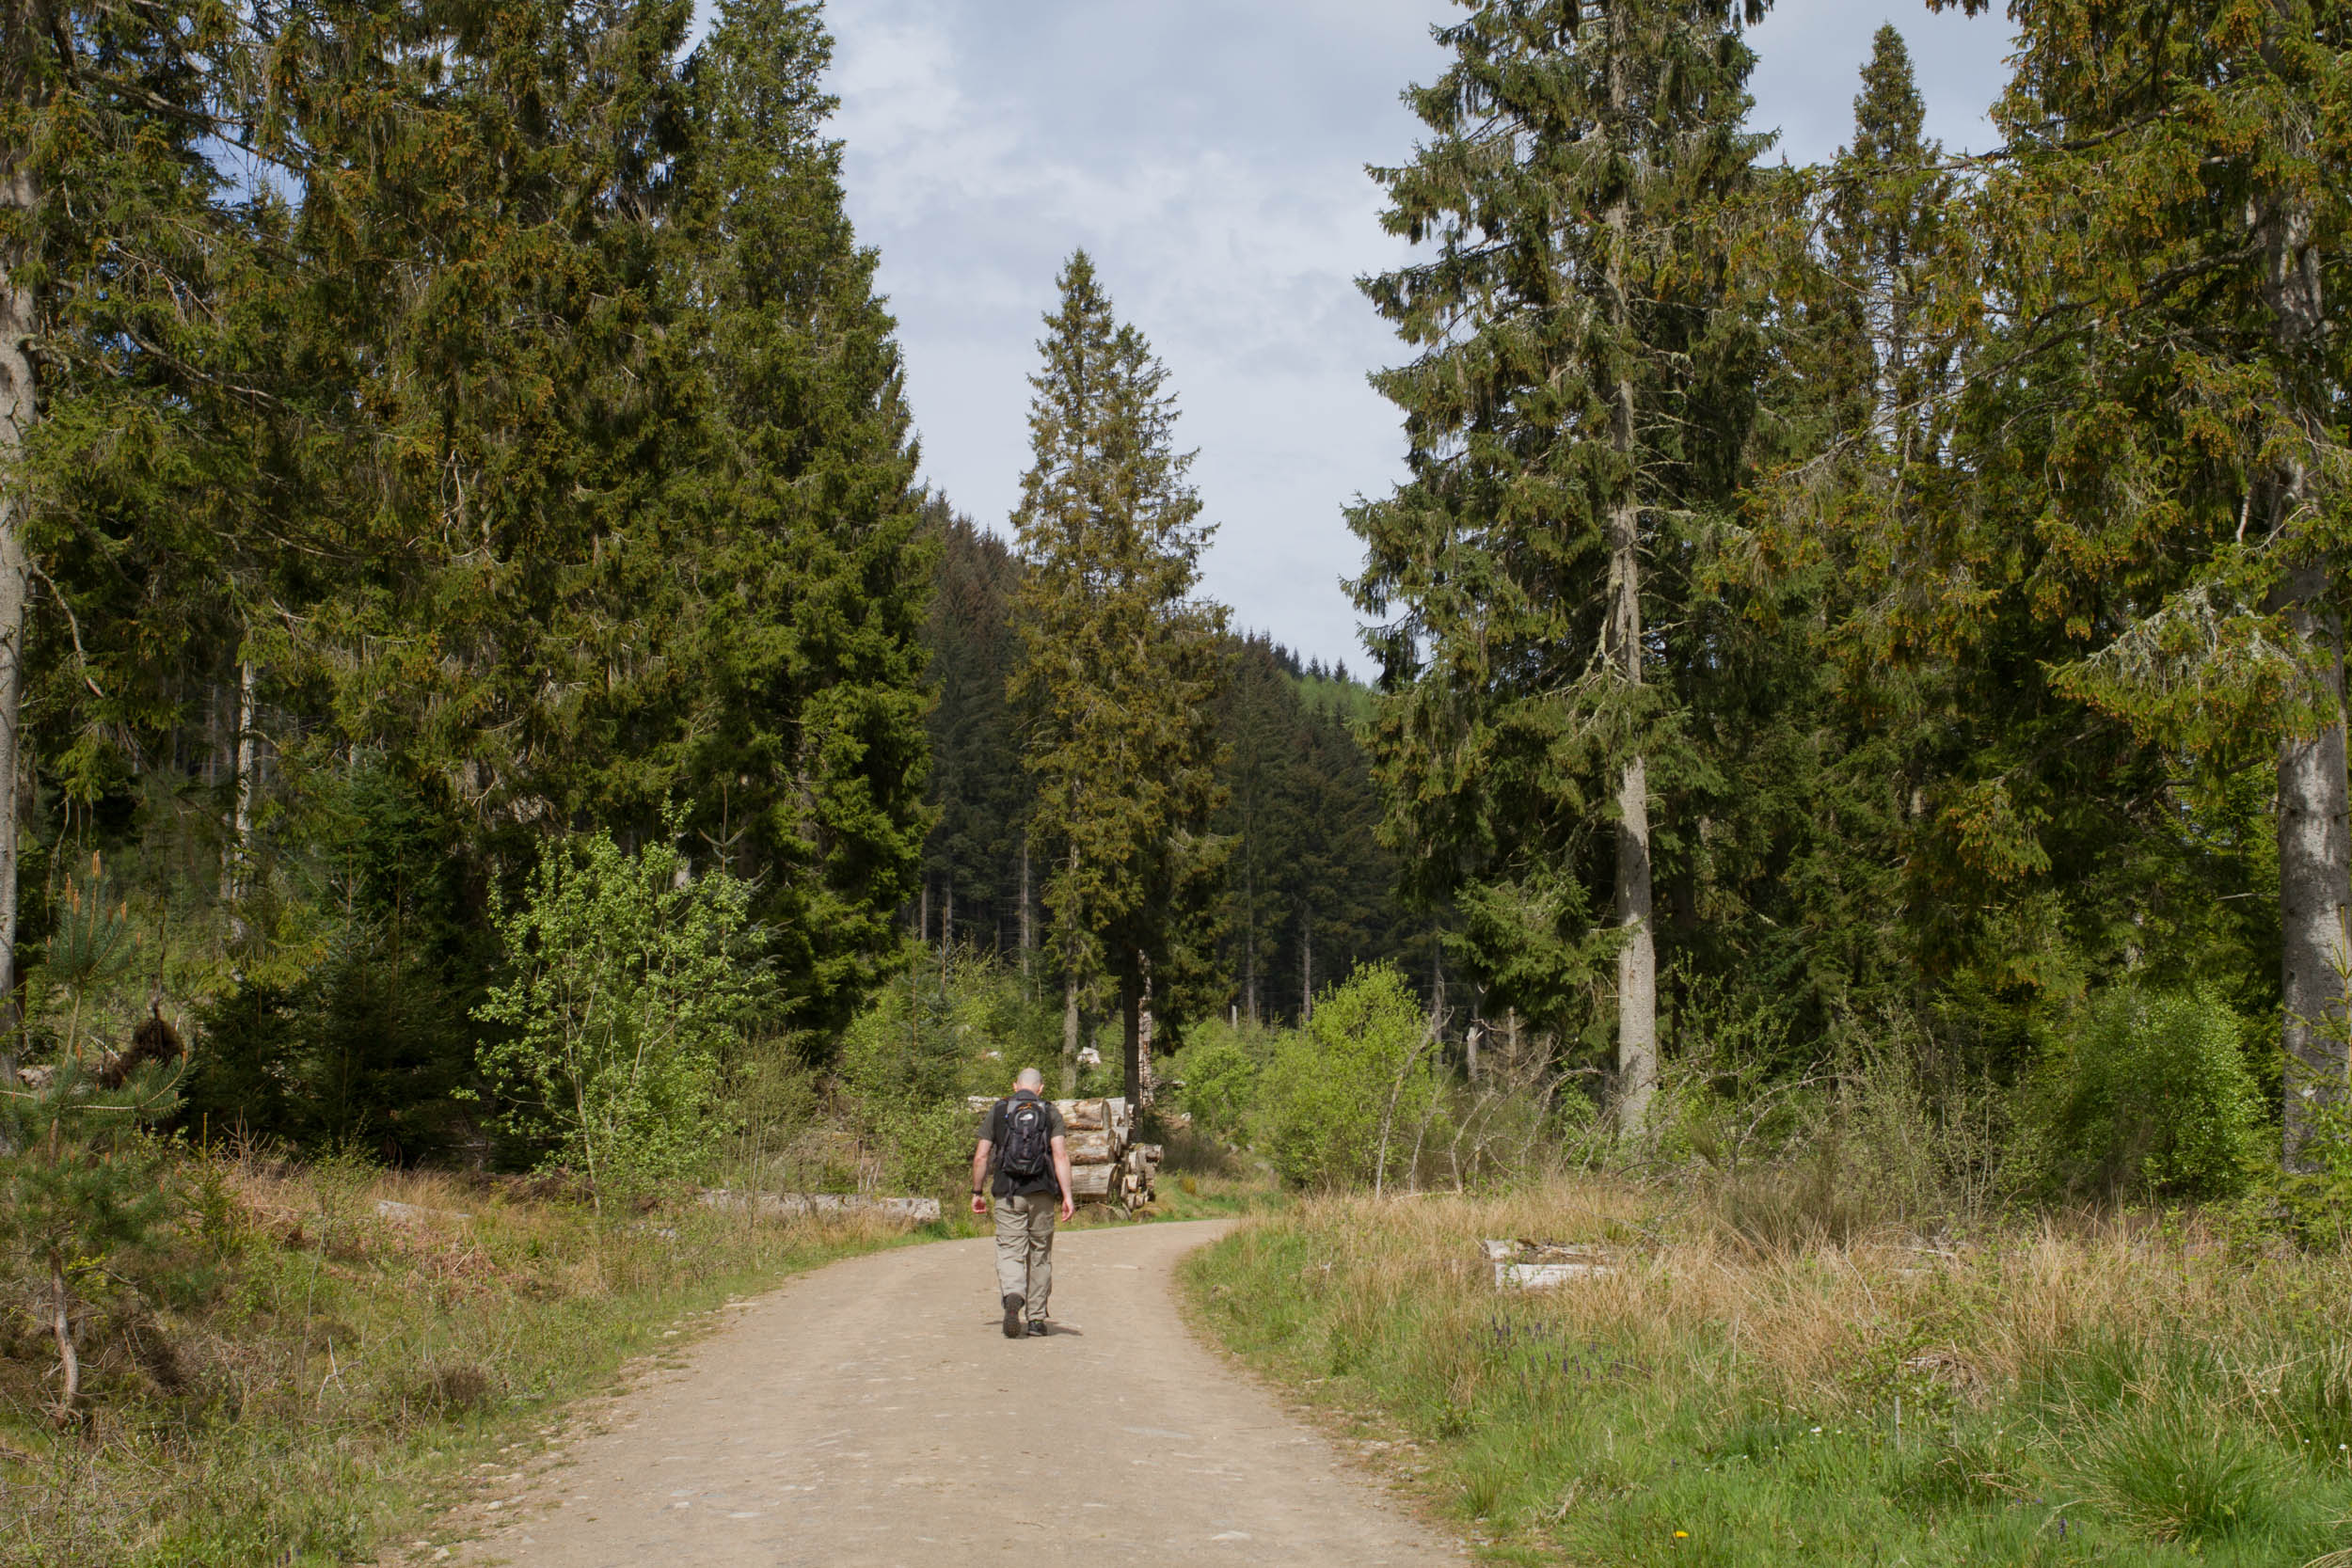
(978,787)
(109,231)
(1257,733)
(1119,675)
(1579,397)
(805,592)
(2160,223)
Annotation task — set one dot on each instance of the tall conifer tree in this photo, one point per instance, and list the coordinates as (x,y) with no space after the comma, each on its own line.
(2177,180)
(109,229)
(1119,671)
(1580,393)
(805,591)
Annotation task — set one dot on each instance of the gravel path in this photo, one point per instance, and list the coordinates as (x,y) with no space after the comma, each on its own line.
(872,1413)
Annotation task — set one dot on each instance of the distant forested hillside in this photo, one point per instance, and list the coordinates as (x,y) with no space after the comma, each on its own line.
(1309,892)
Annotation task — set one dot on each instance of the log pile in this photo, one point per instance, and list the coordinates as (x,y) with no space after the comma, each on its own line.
(1107,1164)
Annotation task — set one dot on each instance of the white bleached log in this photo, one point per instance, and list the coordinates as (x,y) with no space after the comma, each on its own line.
(913,1211)
(1540,1265)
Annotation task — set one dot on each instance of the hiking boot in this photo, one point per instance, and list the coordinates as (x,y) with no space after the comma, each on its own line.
(1037,1328)
(1012,1316)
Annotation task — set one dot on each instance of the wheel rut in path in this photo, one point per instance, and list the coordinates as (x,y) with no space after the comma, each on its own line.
(873,1414)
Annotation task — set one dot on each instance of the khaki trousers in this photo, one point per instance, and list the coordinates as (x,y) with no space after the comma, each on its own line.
(1024,1248)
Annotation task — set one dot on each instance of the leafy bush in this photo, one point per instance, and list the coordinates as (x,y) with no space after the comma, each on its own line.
(1220,1067)
(626,979)
(1327,1094)
(925,1042)
(2151,1094)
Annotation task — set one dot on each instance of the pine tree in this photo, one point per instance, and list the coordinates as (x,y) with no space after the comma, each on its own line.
(978,785)
(1580,394)
(2172,182)
(1119,671)
(807,589)
(109,230)
(1257,732)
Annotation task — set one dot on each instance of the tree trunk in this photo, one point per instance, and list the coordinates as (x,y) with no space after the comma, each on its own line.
(1306,969)
(1026,938)
(61,1326)
(248,762)
(1637,956)
(1147,1085)
(2314,857)
(2314,887)
(1131,1032)
(1250,944)
(17,408)
(1069,1037)
(923,912)
(948,924)
(1637,960)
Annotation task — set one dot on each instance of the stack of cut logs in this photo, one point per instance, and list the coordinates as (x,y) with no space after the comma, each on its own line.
(1106,1166)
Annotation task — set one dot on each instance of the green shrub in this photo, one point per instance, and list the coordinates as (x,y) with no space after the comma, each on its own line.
(2150,1095)
(1325,1093)
(80,1184)
(928,1040)
(1220,1073)
(625,981)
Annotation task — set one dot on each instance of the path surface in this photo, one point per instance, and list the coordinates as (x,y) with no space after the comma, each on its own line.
(873,1414)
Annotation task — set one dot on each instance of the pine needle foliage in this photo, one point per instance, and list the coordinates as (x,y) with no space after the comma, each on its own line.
(1119,667)
(1576,410)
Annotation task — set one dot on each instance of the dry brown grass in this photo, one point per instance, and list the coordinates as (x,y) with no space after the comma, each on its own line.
(300,1371)
(2108,1360)
(1992,1311)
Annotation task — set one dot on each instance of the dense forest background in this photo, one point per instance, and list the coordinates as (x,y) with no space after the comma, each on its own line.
(1880,612)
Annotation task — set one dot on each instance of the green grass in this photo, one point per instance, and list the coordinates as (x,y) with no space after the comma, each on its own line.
(300,1381)
(2063,1401)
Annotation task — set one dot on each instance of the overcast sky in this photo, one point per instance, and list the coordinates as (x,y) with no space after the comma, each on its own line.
(1210,153)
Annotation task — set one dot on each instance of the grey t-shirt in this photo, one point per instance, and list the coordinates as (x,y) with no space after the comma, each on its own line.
(999,1129)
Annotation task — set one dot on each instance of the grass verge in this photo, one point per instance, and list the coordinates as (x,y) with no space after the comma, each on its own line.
(2075,1392)
(306,1377)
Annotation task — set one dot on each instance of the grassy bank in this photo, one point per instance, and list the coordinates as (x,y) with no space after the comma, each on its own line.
(2077,1390)
(304,1378)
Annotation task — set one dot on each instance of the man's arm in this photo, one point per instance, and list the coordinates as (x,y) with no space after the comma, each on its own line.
(1061,1174)
(979,1176)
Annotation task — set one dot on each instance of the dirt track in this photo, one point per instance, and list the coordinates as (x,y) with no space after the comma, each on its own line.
(872,1413)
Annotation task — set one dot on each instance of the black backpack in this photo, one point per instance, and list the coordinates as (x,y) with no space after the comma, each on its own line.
(1029,1139)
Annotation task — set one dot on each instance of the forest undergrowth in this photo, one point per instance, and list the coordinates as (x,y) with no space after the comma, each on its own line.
(2082,1386)
(311,1370)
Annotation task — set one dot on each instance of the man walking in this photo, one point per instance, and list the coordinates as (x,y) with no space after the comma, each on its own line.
(1025,1150)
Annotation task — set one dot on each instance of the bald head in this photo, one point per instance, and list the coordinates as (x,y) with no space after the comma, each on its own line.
(1031,1080)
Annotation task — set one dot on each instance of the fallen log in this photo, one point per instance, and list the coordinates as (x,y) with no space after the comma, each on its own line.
(913,1211)
(1539,1265)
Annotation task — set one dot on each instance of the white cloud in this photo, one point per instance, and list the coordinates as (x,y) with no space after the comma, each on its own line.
(1209,155)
